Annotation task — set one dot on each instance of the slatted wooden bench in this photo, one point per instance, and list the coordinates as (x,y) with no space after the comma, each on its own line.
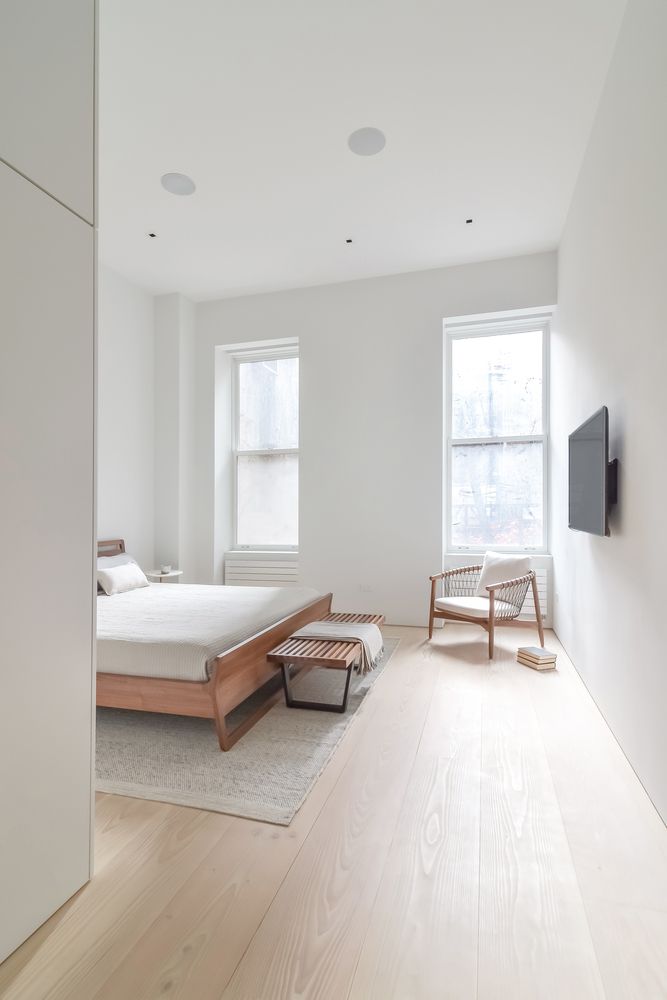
(337,654)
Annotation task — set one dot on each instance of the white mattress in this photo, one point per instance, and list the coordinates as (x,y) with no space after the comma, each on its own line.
(176,630)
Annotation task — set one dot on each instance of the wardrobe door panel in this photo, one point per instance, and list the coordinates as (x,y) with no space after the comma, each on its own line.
(47,94)
(46,554)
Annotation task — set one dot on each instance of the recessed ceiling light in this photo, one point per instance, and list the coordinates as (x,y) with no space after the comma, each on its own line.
(367,141)
(348,241)
(178,183)
(468,221)
(152,235)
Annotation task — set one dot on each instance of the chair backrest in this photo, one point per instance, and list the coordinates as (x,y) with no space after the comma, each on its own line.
(499,567)
(513,596)
(461,582)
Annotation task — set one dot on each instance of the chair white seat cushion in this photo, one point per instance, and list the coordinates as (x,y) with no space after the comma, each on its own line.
(475,607)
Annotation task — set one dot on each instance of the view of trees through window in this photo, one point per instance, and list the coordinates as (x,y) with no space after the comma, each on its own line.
(497,440)
(267,457)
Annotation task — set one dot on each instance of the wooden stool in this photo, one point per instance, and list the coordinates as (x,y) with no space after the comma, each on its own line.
(336,654)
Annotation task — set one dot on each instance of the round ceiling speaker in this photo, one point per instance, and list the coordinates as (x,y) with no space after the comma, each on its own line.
(367,141)
(178,183)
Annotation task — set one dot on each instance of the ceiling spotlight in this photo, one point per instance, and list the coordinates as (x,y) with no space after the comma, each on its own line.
(177,183)
(367,141)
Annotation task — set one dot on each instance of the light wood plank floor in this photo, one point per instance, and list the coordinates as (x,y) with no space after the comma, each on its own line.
(478,834)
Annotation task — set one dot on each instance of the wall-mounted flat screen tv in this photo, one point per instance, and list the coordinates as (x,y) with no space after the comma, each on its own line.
(592,477)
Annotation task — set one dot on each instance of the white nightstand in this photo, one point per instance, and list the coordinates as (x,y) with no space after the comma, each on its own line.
(155,574)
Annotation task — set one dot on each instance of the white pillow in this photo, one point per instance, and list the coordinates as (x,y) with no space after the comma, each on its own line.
(498,568)
(120,579)
(105,562)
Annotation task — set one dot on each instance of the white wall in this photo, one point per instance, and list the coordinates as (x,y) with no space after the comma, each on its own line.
(174,433)
(125,461)
(371,420)
(609,346)
(167,428)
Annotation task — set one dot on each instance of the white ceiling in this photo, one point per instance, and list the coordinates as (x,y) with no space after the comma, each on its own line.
(487,106)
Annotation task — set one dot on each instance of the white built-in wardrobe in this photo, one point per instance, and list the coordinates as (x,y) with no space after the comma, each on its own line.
(47,456)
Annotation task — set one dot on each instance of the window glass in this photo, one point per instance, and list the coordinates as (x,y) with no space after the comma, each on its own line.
(497,385)
(497,494)
(268,403)
(267,500)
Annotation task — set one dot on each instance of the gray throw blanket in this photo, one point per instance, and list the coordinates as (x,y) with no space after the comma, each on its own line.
(370,637)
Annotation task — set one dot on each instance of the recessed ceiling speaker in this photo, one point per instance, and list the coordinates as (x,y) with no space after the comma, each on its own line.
(367,141)
(177,184)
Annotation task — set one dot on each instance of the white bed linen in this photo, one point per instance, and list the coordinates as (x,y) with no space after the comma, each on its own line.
(176,630)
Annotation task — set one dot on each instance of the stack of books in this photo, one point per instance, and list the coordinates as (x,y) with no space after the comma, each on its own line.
(536,657)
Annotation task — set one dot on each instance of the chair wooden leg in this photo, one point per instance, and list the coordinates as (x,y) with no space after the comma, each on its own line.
(538,611)
(492,618)
(430,611)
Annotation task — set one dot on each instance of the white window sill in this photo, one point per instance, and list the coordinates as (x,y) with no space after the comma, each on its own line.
(263,552)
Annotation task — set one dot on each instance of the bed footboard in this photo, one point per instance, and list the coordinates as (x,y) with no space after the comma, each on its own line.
(237,674)
(245,669)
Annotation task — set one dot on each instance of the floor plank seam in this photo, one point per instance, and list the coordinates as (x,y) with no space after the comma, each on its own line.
(403,692)
(281,882)
(296,857)
(479,845)
(565,830)
(389,850)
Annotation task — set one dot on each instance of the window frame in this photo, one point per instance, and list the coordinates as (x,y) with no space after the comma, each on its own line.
(539,323)
(239,358)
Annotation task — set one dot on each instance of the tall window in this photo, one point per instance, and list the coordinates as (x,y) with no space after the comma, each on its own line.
(497,437)
(267,452)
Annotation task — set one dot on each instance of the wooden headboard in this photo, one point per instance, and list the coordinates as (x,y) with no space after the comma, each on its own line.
(110,547)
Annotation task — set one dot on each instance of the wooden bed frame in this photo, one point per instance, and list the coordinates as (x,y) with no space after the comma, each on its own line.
(236,675)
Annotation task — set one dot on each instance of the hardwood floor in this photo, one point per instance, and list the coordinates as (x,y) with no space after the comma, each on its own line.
(478,834)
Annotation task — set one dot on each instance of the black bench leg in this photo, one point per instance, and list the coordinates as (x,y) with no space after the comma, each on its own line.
(318,706)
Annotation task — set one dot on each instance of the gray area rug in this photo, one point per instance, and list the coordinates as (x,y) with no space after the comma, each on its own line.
(265,776)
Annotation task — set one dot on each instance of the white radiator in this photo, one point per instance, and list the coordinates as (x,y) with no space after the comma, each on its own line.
(542,565)
(261,569)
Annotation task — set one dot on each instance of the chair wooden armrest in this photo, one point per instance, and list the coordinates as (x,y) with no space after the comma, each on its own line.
(463,569)
(456,572)
(516,582)
(510,594)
